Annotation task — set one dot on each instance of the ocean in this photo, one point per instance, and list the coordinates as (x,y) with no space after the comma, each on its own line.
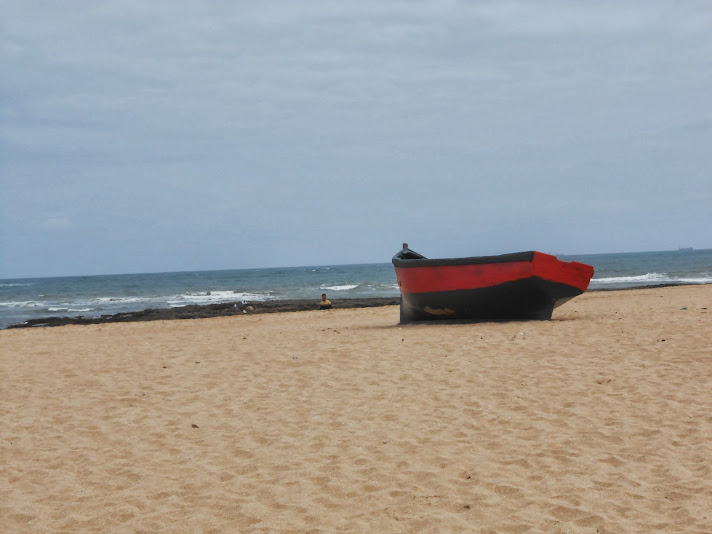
(91,296)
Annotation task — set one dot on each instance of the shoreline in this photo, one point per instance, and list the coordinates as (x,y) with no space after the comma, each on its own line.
(206,311)
(226,309)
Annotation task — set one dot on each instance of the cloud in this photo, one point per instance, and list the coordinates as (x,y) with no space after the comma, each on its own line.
(285,71)
(249,122)
(56,223)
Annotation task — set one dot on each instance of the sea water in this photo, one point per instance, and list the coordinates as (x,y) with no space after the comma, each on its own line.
(91,296)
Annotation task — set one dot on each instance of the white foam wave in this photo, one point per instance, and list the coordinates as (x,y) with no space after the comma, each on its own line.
(15,284)
(652,278)
(214,297)
(122,300)
(110,304)
(643,278)
(340,288)
(22,304)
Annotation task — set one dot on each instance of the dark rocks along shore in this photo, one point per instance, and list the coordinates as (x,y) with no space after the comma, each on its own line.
(207,311)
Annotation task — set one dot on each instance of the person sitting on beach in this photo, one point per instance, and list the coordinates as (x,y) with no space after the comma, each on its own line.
(324,304)
(405,246)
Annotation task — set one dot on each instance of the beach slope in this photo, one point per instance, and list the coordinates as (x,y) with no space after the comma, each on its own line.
(599,420)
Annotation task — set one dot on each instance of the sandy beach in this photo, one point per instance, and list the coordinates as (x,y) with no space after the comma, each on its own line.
(599,420)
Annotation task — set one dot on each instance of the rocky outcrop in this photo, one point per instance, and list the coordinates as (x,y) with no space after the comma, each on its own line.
(207,311)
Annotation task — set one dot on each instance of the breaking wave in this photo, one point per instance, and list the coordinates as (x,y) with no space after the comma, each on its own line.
(650,279)
(345,287)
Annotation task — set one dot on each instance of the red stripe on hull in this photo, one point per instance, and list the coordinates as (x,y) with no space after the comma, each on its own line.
(571,273)
(465,277)
(457,277)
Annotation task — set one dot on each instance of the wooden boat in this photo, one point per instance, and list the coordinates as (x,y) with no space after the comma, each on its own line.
(523,285)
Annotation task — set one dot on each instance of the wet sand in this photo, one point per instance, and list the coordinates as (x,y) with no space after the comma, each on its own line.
(343,421)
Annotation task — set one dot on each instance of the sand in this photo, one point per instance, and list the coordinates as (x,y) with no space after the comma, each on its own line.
(343,421)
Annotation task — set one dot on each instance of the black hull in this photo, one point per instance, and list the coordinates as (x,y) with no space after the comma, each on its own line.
(531,298)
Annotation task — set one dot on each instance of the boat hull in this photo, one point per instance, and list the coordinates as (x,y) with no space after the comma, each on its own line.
(522,286)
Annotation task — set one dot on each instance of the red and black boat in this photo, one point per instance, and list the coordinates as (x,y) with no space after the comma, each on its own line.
(523,285)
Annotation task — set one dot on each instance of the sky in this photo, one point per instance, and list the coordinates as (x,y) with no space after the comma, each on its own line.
(186,135)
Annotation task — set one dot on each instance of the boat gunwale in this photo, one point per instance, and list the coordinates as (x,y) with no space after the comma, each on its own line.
(400,262)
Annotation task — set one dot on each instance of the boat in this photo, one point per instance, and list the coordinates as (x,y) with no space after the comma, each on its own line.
(518,286)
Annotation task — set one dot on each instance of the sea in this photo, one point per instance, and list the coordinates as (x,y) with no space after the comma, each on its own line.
(92,296)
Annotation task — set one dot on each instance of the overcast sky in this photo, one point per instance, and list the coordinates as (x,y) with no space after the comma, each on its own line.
(182,135)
